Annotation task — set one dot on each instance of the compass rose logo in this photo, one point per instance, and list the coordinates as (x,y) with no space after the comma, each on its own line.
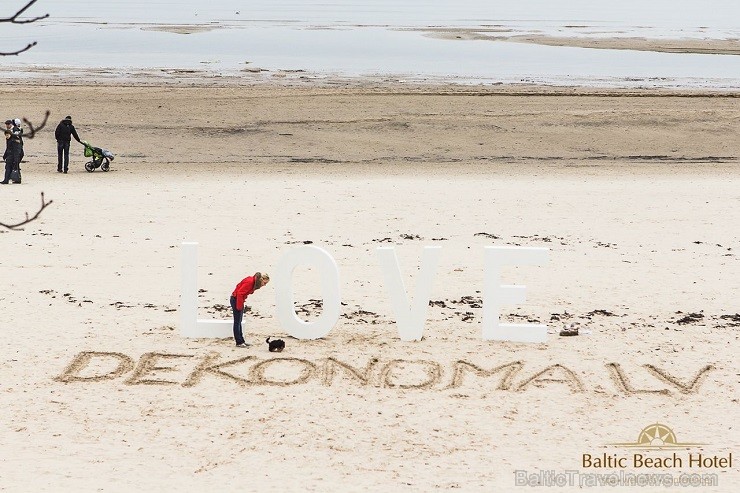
(657,436)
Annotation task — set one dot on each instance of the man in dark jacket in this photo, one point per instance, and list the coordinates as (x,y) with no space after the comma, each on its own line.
(64,133)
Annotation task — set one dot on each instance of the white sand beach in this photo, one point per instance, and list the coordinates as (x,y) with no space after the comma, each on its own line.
(635,193)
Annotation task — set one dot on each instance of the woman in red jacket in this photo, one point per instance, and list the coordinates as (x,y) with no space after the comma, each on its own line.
(246,286)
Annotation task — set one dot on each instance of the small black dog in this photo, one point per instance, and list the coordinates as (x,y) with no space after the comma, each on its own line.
(276,346)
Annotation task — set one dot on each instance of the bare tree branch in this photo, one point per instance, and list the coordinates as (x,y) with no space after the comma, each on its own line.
(32,134)
(11,53)
(17,227)
(14,20)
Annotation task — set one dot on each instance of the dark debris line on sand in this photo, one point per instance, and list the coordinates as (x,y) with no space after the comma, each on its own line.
(449,309)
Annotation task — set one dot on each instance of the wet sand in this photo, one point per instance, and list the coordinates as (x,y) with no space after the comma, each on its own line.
(699,46)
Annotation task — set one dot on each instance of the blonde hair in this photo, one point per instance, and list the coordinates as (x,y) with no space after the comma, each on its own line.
(258,277)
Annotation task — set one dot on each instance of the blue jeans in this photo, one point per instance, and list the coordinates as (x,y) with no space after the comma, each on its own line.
(238,336)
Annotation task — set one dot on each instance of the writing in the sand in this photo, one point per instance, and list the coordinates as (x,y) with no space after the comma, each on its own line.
(189,370)
(410,316)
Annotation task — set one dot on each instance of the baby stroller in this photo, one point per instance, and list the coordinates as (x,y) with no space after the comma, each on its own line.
(101,158)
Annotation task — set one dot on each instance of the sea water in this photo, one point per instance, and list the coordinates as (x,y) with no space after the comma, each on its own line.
(380,39)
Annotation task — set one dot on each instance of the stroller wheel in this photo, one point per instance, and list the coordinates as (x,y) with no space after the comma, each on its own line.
(105,166)
(89,167)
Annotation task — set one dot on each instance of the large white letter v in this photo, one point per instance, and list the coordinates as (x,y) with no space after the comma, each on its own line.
(409,318)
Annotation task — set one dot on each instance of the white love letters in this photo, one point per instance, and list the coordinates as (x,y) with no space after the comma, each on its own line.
(410,315)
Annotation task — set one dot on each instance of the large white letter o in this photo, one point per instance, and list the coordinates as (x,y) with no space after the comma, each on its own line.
(319,259)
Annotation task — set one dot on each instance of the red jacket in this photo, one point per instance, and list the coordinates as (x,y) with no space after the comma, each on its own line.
(242,290)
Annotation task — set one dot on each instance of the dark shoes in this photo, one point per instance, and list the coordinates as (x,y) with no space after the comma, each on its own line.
(243,344)
(3,182)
